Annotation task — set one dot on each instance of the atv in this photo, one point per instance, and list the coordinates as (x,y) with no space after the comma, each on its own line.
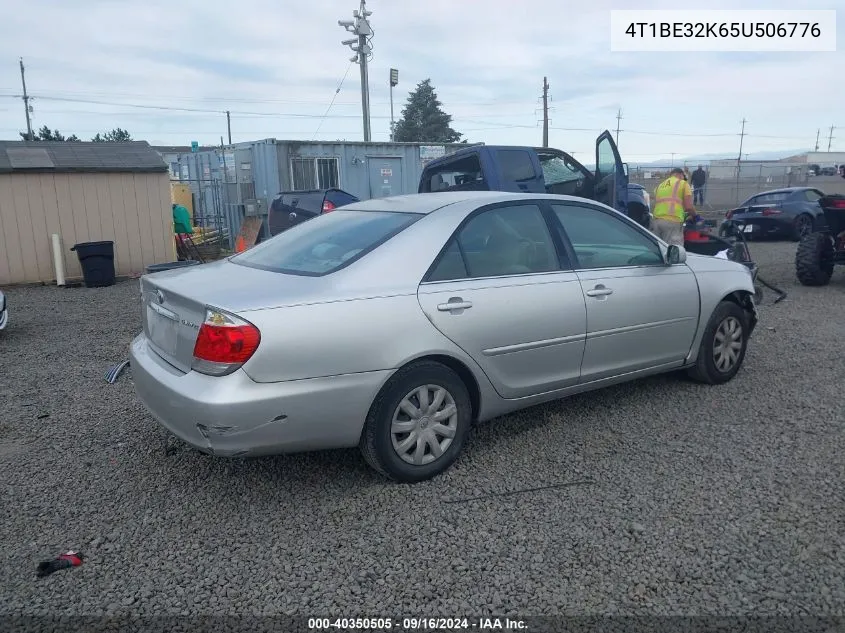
(820,251)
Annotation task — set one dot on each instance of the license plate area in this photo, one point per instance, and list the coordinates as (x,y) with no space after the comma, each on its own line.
(163,331)
(749,228)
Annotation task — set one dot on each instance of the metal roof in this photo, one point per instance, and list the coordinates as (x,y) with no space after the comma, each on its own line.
(68,157)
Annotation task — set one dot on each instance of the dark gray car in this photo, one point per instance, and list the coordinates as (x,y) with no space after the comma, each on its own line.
(791,212)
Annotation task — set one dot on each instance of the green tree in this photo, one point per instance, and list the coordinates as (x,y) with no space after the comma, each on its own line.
(46,134)
(117,135)
(423,119)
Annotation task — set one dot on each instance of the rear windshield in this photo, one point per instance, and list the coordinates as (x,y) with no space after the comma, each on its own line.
(767,198)
(327,243)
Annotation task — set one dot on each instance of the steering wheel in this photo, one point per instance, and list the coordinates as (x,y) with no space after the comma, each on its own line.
(529,247)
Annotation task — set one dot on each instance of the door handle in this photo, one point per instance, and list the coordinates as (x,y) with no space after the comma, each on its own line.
(599,291)
(455,303)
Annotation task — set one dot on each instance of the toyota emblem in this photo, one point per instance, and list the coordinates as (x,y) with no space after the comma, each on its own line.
(160,296)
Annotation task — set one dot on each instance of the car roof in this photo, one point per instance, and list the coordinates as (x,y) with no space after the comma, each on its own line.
(782,190)
(425,203)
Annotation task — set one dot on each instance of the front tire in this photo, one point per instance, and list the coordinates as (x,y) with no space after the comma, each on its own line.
(801,226)
(814,259)
(723,345)
(418,423)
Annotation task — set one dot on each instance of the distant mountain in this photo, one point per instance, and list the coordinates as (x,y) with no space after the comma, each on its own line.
(704,159)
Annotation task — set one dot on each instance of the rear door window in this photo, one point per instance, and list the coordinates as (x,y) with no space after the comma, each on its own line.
(515,165)
(327,243)
(463,174)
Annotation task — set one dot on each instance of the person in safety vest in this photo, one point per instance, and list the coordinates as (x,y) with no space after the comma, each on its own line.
(672,202)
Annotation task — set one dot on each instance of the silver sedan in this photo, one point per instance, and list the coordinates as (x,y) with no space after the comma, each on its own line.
(394,324)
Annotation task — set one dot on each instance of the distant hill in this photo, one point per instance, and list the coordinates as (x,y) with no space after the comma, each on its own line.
(704,159)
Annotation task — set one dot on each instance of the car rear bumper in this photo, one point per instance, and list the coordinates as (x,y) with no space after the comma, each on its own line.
(234,416)
(764,225)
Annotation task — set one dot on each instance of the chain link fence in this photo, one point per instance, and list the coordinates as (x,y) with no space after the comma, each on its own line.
(727,185)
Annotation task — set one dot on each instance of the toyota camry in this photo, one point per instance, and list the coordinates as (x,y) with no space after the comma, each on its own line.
(396,323)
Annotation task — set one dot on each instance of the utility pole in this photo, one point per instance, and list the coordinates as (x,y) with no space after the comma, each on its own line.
(618,123)
(26,104)
(360,27)
(741,138)
(819,131)
(673,158)
(229,126)
(830,138)
(394,80)
(545,112)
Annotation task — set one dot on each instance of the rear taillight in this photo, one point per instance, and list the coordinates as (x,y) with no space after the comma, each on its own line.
(772,211)
(224,343)
(328,205)
(836,204)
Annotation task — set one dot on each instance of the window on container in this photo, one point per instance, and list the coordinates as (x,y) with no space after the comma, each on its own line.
(327,173)
(303,174)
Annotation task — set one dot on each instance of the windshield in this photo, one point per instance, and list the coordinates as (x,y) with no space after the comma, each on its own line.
(557,170)
(327,243)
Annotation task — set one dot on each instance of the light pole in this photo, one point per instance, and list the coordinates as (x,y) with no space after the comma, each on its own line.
(394,80)
(360,27)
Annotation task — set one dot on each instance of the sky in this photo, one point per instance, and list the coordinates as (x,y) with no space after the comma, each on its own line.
(168,71)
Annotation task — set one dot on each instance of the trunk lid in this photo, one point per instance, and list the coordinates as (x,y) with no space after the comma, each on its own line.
(174,301)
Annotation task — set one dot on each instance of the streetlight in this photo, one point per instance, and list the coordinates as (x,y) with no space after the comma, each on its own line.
(394,80)
(360,27)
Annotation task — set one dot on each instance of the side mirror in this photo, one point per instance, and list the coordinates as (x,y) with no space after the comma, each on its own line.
(625,168)
(676,255)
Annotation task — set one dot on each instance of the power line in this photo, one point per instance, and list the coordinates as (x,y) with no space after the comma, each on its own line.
(336,92)
(177,97)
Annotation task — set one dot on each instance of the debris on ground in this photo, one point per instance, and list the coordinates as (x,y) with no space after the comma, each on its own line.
(114,372)
(62,561)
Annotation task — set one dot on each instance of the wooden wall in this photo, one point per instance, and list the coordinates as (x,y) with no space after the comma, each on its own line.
(132,210)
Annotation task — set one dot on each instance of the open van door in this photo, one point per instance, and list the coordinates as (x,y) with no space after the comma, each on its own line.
(611,178)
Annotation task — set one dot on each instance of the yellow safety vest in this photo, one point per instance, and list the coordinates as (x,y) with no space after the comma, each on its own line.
(669,199)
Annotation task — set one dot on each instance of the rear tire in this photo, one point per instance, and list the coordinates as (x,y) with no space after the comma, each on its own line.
(814,259)
(801,226)
(418,423)
(723,345)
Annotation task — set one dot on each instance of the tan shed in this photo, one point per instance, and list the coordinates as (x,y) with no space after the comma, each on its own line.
(84,192)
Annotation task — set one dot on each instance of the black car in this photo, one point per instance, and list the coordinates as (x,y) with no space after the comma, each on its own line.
(791,212)
(290,208)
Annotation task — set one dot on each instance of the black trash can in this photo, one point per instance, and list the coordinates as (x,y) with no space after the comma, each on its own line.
(97,261)
(157,268)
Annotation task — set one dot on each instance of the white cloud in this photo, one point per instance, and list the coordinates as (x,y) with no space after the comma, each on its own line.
(486,59)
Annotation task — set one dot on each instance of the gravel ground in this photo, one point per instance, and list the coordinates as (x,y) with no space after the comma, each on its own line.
(658,497)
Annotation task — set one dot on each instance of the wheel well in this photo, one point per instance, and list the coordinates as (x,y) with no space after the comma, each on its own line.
(464,374)
(744,300)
